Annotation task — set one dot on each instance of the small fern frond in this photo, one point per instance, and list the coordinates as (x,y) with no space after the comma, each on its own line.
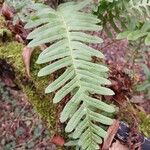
(145,86)
(123,15)
(143,32)
(139,7)
(65,29)
(111,13)
(22,9)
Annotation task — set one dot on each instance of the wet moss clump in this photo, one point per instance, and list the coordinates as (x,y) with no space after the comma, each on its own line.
(34,87)
(42,105)
(5,34)
(11,51)
(2,22)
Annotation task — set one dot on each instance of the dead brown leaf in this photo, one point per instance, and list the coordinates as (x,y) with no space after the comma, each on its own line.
(118,146)
(7,12)
(19,38)
(26,55)
(43,47)
(112,130)
(18,30)
(58,140)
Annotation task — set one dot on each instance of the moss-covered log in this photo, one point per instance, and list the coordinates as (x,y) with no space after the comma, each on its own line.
(34,87)
(11,51)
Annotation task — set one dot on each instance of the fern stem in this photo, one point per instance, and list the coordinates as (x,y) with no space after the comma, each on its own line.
(69,44)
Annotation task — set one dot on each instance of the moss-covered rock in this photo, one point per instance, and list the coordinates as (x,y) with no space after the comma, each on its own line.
(34,87)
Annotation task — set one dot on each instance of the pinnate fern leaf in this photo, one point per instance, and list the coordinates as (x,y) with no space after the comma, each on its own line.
(134,35)
(65,29)
(139,7)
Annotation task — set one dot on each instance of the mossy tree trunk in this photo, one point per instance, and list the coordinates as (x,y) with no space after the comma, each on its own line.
(33,87)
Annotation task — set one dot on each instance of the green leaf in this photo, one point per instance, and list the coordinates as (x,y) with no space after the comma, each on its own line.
(80,128)
(143,86)
(65,90)
(75,119)
(83,37)
(71,106)
(36,23)
(67,75)
(147,39)
(100,118)
(123,35)
(136,34)
(97,89)
(99,104)
(55,66)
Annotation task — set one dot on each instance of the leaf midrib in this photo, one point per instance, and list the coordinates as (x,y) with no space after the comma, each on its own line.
(71,51)
(70,47)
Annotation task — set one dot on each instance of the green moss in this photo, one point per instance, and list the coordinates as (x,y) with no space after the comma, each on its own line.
(12,52)
(142,118)
(144,123)
(5,34)
(42,104)
(34,87)
(40,82)
(2,22)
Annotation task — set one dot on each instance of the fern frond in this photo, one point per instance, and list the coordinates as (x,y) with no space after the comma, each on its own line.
(21,9)
(145,86)
(64,28)
(129,18)
(139,7)
(111,13)
(142,33)
(123,15)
